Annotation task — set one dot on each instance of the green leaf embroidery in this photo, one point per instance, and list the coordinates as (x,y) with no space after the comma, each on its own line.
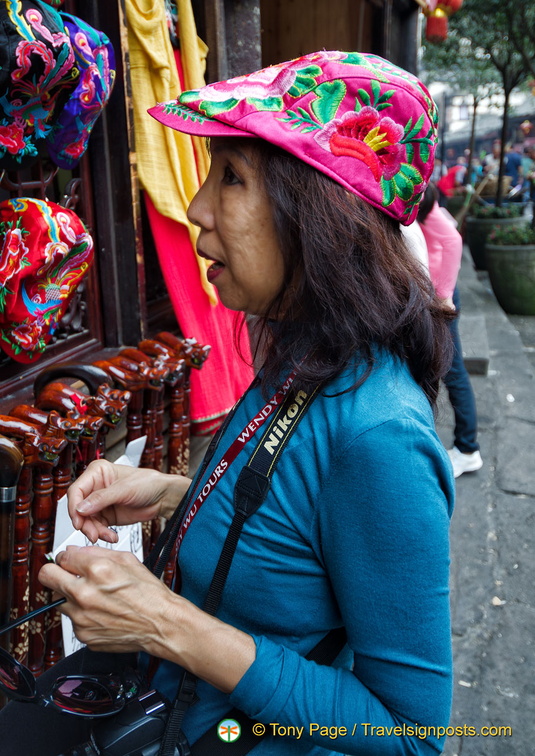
(190,96)
(389,192)
(357,60)
(329,96)
(410,133)
(411,173)
(376,89)
(215,108)
(4,291)
(384,105)
(270,103)
(403,186)
(303,121)
(424,152)
(184,112)
(410,152)
(386,96)
(354,59)
(305,80)
(364,96)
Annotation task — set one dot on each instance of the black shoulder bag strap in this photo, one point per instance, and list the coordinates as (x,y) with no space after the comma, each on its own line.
(250,491)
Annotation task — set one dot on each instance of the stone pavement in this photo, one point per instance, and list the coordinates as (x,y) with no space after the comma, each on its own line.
(493,533)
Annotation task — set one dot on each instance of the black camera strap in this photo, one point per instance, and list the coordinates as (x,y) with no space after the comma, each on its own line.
(250,491)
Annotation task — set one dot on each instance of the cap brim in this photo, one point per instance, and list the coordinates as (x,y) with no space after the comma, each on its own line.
(189,121)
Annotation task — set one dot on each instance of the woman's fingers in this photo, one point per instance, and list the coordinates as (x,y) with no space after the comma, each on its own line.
(98,476)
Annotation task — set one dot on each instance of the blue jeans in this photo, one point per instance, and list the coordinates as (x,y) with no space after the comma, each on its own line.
(460,392)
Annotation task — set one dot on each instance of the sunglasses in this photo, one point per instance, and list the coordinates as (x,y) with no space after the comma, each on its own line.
(97,695)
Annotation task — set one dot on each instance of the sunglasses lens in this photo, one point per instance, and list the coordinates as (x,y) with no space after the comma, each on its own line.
(15,679)
(85,697)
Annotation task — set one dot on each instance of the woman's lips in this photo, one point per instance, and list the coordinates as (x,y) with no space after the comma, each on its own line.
(214,270)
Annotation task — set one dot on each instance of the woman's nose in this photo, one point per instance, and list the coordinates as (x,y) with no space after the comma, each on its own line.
(199,212)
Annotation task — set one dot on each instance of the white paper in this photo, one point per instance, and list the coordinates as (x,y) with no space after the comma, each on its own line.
(130,537)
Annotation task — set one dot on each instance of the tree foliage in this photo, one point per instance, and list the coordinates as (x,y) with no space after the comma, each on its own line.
(488,39)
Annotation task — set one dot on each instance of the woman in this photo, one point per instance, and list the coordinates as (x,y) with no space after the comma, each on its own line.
(445,248)
(314,164)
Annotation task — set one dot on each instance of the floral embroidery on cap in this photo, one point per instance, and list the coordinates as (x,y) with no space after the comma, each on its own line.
(265,89)
(384,146)
(367,137)
(363,121)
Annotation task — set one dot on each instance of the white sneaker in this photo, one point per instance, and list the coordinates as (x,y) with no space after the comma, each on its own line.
(463,463)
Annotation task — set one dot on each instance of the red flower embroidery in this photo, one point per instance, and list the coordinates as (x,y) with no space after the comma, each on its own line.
(12,138)
(12,255)
(27,335)
(367,137)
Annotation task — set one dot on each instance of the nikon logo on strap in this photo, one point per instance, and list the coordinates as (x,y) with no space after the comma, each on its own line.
(283,424)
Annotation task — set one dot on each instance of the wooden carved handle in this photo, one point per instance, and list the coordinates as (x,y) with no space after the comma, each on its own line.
(91,375)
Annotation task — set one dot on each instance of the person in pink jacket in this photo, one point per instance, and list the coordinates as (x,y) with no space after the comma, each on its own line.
(444,248)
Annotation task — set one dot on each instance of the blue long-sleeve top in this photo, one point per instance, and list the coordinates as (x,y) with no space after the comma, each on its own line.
(353,532)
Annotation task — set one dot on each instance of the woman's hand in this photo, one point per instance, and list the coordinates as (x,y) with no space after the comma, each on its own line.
(107,494)
(116,604)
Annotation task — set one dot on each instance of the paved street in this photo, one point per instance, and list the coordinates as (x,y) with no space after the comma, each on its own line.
(493,535)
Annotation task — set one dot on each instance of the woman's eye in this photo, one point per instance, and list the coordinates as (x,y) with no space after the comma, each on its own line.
(229,177)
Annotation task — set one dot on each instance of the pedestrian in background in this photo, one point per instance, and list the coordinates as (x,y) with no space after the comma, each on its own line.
(444,250)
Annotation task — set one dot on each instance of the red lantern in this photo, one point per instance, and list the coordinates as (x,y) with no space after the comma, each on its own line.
(436,29)
(437,18)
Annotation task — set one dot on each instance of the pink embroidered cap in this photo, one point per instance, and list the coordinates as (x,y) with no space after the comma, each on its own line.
(366,123)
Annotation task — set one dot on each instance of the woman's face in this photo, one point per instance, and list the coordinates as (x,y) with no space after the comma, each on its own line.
(237,229)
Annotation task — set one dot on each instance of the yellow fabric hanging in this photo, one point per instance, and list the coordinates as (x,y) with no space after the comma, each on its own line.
(193,54)
(165,158)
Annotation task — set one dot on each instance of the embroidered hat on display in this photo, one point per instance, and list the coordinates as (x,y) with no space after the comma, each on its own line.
(366,123)
(37,74)
(95,59)
(45,251)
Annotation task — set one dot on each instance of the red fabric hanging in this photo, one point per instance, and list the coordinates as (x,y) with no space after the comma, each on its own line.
(225,376)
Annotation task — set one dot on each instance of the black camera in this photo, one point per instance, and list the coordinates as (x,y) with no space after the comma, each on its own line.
(137,730)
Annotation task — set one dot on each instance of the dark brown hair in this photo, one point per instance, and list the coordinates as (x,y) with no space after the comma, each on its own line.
(350,284)
(427,203)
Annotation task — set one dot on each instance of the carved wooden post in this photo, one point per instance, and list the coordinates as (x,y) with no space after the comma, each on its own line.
(11,461)
(74,404)
(194,355)
(176,382)
(154,377)
(153,408)
(101,393)
(135,384)
(41,449)
(71,427)
(62,478)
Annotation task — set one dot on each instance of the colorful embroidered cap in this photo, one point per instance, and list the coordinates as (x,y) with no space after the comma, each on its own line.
(366,123)
(37,74)
(45,251)
(95,59)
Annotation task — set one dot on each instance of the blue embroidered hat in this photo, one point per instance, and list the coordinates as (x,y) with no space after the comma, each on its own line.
(37,74)
(95,59)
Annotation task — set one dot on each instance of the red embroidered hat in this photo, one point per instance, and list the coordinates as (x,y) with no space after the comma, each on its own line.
(45,251)
(366,123)
(37,74)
